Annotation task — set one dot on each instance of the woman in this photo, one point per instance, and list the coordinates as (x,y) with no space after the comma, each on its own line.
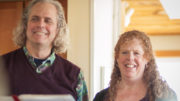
(135,76)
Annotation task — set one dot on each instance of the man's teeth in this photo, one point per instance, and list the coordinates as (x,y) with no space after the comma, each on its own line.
(130,66)
(39,33)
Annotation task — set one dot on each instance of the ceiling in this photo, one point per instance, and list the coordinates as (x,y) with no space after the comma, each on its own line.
(149,16)
(172,8)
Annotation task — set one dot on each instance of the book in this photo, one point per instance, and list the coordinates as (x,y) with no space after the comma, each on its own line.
(35,97)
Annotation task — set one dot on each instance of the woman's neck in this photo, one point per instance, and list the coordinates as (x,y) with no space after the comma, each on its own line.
(128,84)
(131,91)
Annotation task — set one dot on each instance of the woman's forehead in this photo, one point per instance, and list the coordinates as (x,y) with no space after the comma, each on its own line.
(131,41)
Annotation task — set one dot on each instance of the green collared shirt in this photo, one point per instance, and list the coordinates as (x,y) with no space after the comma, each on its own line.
(81,88)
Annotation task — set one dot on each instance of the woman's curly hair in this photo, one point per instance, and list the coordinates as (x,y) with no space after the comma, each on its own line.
(156,86)
(61,41)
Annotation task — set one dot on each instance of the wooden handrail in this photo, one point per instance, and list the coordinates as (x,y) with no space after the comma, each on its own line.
(167,53)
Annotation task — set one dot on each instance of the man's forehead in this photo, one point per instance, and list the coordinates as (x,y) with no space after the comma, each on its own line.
(44,8)
(43,11)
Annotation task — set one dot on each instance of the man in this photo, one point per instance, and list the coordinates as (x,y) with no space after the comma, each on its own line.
(35,68)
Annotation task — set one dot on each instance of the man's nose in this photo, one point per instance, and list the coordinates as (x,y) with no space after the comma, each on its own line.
(41,23)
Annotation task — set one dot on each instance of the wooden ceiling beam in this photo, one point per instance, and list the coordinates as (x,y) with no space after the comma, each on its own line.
(167,53)
(138,0)
(156,29)
(149,16)
(161,23)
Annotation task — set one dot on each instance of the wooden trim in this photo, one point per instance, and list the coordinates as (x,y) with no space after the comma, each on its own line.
(11,0)
(65,7)
(167,53)
(163,34)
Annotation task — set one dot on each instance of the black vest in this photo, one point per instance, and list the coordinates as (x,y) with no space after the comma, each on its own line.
(60,78)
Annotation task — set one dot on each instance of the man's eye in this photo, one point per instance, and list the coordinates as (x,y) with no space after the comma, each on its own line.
(49,21)
(124,52)
(34,19)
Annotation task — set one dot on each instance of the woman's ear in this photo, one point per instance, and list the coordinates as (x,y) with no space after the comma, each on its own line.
(116,63)
(146,62)
(116,56)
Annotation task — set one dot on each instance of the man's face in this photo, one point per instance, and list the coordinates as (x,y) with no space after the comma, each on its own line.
(42,25)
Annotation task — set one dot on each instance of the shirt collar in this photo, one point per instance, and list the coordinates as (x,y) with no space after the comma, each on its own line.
(46,63)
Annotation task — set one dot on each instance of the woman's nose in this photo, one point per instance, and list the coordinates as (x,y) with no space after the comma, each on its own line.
(131,56)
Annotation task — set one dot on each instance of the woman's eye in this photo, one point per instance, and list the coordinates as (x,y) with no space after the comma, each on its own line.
(137,53)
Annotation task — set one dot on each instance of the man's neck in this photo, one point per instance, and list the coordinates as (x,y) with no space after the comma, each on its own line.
(39,52)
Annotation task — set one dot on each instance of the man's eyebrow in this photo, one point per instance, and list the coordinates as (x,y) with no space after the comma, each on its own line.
(48,18)
(44,17)
(35,16)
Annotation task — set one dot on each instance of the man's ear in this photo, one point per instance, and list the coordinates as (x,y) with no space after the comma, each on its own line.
(57,31)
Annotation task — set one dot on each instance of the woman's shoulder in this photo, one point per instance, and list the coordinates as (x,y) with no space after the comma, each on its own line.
(101,95)
(170,97)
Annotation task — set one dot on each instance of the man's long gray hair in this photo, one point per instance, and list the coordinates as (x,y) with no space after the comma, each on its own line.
(61,41)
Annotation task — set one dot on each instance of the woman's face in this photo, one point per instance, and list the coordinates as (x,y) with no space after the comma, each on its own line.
(131,60)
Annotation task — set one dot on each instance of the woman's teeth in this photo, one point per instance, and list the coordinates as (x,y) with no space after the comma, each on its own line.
(39,33)
(130,66)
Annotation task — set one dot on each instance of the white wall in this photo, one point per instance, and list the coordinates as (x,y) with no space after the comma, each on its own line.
(102,45)
(172,8)
(79,25)
(169,70)
(166,42)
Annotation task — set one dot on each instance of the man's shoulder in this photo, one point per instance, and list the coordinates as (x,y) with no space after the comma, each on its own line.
(11,53)
(10,59)
(67,68)
(66,63)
